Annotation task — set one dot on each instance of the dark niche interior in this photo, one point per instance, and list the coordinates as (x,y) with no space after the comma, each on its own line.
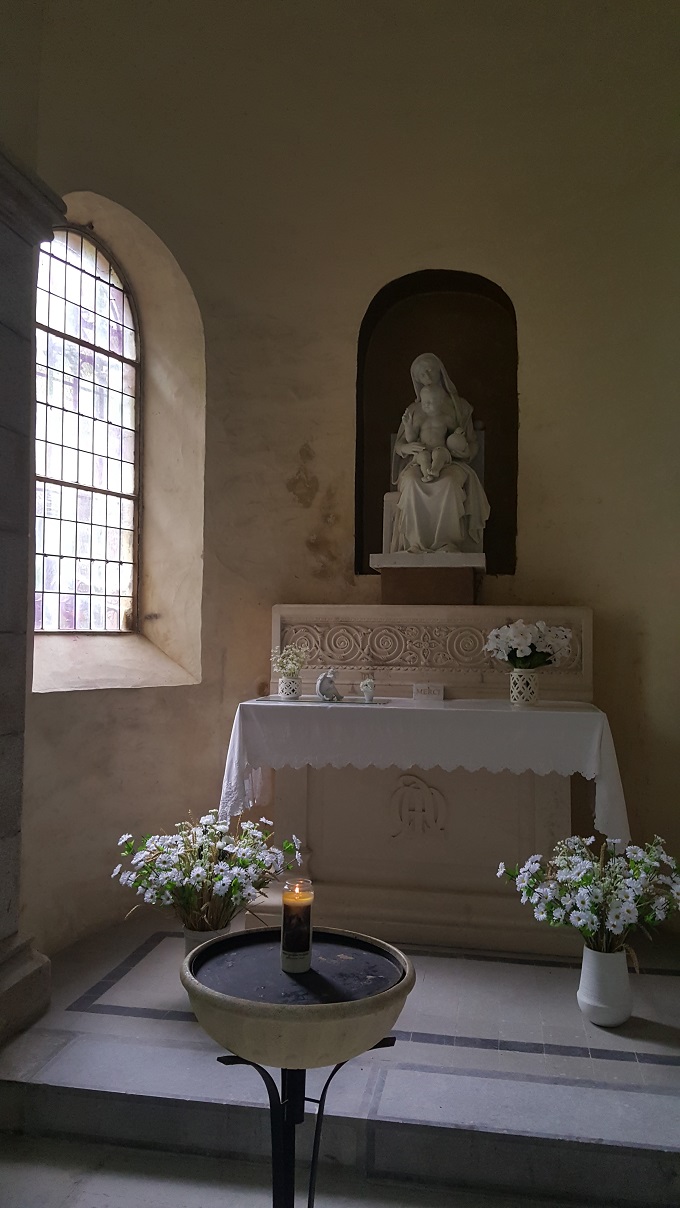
(469,322)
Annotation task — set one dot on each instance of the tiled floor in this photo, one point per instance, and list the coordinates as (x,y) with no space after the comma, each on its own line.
(495,1045)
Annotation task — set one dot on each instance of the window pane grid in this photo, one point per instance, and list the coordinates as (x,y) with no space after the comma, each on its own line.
(86,438)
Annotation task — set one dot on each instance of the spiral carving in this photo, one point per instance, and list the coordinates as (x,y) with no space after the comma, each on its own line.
(387,644)
(466,645)
(342,644)
(305,636)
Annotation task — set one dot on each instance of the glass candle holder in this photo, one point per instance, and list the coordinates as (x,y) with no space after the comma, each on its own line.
(296,926)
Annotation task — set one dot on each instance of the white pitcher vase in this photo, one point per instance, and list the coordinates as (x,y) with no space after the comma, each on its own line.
(604,994)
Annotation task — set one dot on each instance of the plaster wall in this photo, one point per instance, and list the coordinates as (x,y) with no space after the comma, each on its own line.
(20,48)
(295,157)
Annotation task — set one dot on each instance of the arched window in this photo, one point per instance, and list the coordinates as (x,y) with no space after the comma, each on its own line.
(87,436)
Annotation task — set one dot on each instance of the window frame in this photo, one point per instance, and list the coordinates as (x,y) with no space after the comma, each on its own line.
(88,231)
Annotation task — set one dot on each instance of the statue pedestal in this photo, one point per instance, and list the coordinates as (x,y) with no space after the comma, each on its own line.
(428,578)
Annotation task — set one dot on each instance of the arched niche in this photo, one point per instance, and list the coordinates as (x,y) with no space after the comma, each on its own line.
(469,322)
(167,649)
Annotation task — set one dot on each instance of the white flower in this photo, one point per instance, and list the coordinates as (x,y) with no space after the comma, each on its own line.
(635,853)
(583,919)
(540,913)
(522,640)
(289,661)
(116,871)
(614,922)
(124,839)
(501,869)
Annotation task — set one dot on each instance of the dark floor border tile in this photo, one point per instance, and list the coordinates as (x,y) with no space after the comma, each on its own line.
(658,1059)
(613,1054)
(530,1046)
(521,1046)
(566,1050)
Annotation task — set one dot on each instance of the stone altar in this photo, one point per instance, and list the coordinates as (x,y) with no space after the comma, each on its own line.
(411,855)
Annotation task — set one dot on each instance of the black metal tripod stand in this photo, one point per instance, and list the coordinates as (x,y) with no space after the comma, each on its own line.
(286,1111)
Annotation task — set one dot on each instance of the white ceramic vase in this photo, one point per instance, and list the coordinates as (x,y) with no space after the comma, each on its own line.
(523,687)
(604,993)
(290,687)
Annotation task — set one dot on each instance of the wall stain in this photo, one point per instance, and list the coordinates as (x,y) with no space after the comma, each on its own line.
(303,485)
(326,546)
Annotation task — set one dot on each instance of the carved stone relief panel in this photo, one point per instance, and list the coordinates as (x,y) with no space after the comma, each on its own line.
(402,645)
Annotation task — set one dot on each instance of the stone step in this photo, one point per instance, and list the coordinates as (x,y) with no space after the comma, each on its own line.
(500,1160)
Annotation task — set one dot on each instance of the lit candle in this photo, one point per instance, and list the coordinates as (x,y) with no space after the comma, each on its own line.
(296,926)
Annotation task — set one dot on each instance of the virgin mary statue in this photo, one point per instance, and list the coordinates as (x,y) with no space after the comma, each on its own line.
(442,505)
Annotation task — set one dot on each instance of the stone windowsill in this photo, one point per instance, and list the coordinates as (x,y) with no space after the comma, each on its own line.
(83,662)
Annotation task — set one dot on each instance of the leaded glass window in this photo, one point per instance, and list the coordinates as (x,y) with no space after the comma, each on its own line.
(87,420)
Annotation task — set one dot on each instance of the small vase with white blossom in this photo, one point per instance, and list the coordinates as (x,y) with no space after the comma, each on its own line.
(527,646)
(288,664)
(367,688)
(604,898)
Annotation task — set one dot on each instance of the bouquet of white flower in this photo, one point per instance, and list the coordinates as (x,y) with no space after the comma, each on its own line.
(289,661)
(203,872)
(602,898)
(529,645)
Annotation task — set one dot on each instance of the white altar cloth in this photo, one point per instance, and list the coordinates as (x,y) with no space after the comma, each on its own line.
(563,737)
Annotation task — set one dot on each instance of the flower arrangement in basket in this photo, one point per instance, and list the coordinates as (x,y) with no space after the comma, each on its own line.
(288,664)
(203,872)
(526,646)
(603,898)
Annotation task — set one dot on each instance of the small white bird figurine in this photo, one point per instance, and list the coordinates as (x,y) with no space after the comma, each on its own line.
(325,686)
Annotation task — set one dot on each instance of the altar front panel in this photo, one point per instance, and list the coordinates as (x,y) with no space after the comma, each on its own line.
(412,855)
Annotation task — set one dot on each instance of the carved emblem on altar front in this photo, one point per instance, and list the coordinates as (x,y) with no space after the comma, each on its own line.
(417,808)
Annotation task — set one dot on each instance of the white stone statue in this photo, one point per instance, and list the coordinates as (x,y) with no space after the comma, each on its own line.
(442,505)
(326,687)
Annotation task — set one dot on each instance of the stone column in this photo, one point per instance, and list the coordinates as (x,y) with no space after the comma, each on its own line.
(28,211)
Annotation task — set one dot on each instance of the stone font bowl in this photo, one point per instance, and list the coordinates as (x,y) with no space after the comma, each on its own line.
(350,999)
